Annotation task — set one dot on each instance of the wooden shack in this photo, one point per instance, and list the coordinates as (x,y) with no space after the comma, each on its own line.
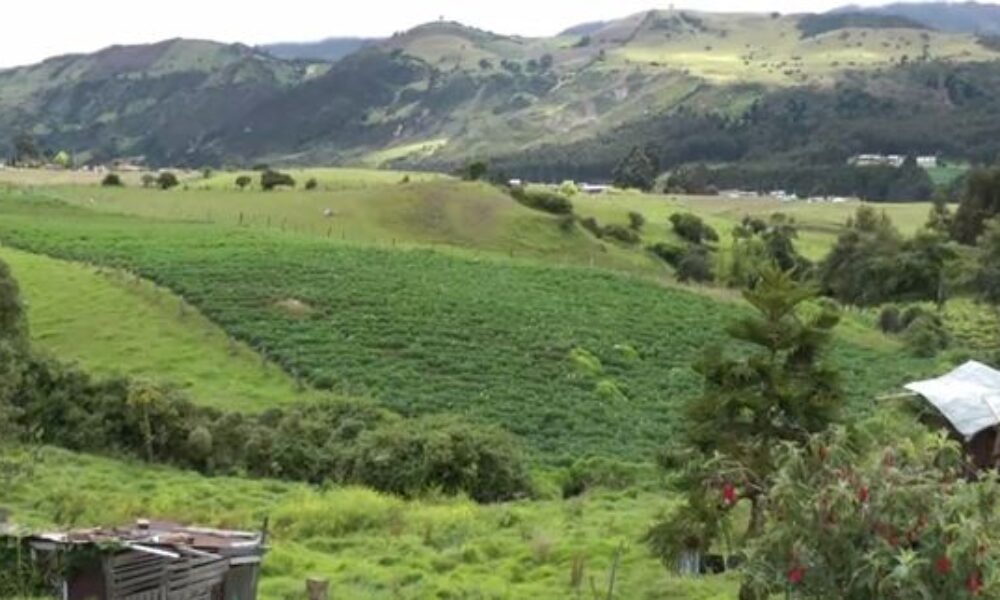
(966,401)
(153,561)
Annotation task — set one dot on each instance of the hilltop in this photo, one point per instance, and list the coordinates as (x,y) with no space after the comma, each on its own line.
(720,87)
(956,17)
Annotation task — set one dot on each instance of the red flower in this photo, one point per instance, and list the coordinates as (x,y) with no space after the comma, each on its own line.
(795,575)
(728,494)
(974,584)
(942,565)
(863,494)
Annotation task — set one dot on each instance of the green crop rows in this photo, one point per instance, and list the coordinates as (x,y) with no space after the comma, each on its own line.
(577,361)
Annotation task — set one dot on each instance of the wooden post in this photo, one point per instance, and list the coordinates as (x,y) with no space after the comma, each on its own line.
(318,589)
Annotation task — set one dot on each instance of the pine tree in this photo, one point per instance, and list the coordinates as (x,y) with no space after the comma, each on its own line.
(779,392)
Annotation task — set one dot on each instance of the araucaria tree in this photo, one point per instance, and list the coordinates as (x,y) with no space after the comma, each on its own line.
(780,391)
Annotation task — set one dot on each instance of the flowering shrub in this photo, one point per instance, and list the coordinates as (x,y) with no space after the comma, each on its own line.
(901,522)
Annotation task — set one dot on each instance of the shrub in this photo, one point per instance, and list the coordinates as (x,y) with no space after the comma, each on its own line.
(621,233)
(112,180)
(312,184)
(243,181)
(543,200)
(926,335)
(636,221)
(271,179)
(167,180)
(669,253)
(890,319)
(410,457)
(691,228)
(695,265)
(607,473)
(148,180)
(591,225)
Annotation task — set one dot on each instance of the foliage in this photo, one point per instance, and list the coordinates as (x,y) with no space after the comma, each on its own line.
(783,391)
(408,458)
(148,180)
(695,264)
(636,221)
(667,252)
(543,200)
(758,244)
(872,263)
(692,228)
(271,179)
(926,335)
(312,184)
(625,235)
(637,170)
(243,181)
(980,202)
(897,521)
(474,171)
(112,180)
(987,275)
(167,180)
(338,441)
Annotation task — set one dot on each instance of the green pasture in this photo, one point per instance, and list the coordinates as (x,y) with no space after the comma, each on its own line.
(577,361)
(327,179)
(114,323)
(372,546)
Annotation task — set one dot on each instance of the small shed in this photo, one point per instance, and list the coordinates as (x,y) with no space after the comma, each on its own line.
(153,561)
(968,399)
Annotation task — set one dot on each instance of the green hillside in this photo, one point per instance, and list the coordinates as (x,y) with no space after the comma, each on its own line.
(595,365)
(720,87)
(112,323)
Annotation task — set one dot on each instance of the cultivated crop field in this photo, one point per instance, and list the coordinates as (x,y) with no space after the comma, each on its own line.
(577,361)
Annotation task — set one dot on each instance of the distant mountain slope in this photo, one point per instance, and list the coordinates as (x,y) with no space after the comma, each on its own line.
(156,100)
(955,17)
(442,94)
(330,49)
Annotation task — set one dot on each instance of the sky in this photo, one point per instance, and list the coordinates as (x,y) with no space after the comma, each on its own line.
(37,29)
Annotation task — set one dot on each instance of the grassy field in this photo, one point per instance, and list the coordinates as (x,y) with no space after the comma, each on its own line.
(375,547)
(327,179)
(577,361)
(470,218)
(818,223)
(111,323)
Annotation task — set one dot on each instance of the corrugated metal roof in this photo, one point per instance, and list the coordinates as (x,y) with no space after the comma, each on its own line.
(969,397)
(159,534)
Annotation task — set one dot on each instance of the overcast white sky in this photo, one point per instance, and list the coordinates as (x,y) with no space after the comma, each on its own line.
(37,29)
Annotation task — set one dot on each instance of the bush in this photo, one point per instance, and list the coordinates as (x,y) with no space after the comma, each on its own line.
(591,225)
(271,179)
(167,180)
(669,253)
(543,200)
(695,265)
(606,473)
(890,319)
(112,180)
(440,452)
(621,233)
(926,336)
(636,221)
(243,181)
(691,228)
(312,184)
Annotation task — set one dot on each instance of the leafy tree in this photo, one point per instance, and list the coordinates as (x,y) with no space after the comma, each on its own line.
(312,184)
(695,264)
(692,228)
(243,181)
(781,392)
(148,180)
(980,203)
(987,275)
(637,170)
(26,148)
(270,179)
(62,159)
(167,180)
(758,244)
(474,171)
(112,180)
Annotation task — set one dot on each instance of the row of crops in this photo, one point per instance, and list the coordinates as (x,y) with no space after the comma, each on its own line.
(576,361)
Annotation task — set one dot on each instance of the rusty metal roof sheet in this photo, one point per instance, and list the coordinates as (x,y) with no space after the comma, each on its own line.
(161,534)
